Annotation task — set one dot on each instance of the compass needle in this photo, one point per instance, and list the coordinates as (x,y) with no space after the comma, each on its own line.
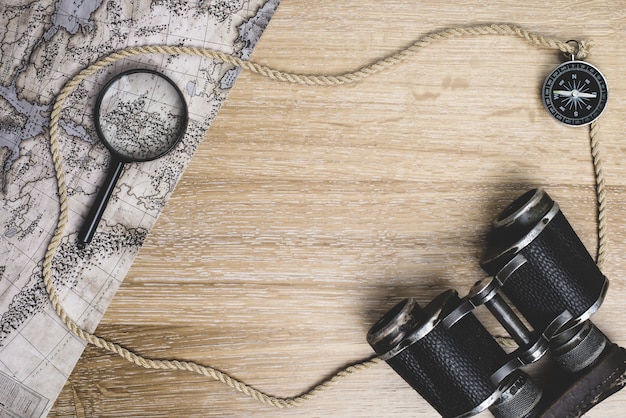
(566,93)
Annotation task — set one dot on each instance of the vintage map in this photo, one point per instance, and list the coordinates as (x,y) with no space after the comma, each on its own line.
(43,43)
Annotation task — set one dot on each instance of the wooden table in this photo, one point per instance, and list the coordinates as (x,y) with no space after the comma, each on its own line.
(309,211)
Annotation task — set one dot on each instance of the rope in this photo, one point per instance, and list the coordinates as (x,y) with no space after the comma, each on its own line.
(580,52)
(594,141)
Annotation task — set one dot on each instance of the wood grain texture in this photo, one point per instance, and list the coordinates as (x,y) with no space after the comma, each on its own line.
(308,212)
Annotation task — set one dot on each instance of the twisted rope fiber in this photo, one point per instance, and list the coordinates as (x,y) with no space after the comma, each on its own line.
(317,80)
(601,210)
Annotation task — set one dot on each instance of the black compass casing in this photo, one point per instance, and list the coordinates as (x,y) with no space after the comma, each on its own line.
(575,93)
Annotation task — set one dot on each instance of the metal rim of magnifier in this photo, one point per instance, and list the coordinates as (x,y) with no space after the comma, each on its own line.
(179,133)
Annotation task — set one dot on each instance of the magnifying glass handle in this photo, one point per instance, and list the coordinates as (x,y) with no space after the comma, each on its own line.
(93,218)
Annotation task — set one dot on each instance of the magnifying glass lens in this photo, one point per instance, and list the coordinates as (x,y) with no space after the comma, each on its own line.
(141,115)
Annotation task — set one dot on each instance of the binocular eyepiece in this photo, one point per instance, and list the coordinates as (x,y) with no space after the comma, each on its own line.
(538,264)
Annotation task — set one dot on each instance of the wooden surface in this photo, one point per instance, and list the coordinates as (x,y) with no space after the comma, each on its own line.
(309,211)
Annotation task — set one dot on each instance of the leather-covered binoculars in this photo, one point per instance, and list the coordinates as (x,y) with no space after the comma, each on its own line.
(539,269)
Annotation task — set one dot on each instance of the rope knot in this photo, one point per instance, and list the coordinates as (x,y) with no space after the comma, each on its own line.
(577,50)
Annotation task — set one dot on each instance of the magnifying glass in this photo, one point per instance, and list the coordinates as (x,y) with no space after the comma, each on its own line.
(140,115)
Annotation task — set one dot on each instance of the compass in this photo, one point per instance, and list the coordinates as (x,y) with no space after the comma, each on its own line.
(575,93)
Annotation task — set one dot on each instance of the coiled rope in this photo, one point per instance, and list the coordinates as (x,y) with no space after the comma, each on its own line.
(580,52)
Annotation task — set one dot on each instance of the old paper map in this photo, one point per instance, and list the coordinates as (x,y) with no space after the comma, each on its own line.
(43,43)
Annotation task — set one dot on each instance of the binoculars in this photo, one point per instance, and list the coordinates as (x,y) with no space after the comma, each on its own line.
(543,288)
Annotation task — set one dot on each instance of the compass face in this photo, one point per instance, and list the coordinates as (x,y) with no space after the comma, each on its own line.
(575,93)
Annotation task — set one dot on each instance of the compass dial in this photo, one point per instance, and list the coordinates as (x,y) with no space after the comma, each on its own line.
(575,93)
